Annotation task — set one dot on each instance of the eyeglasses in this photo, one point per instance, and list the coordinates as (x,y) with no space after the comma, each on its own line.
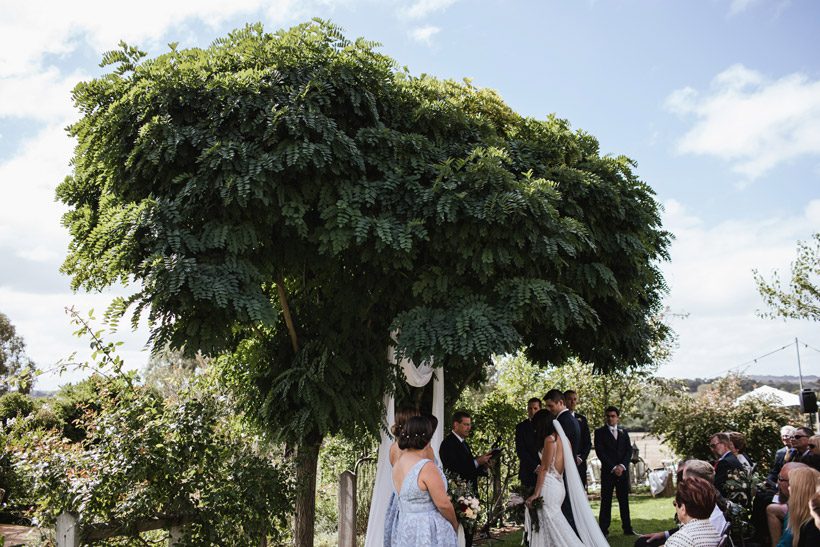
(781,479)
(713,445)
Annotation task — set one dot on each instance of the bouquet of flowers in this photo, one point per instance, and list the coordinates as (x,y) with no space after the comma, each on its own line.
(465,502)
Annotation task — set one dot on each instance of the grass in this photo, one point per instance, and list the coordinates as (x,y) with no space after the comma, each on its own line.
(648,515)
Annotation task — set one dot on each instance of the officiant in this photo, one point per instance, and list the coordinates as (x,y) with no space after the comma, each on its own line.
(457,457)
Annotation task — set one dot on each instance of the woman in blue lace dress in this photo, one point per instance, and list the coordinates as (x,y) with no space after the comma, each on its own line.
(426,515)
(391,518)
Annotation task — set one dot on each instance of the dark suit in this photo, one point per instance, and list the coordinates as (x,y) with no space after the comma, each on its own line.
(585,446)
(612,453)
(573,432)
(456,457)
(527,450)
(728,462)
(779,460)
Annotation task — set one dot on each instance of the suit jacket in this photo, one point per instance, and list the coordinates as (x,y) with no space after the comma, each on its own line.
(586,439)
(527,450)
(572,429)
(457,458)
(722,469)
(612,452)
(779,460)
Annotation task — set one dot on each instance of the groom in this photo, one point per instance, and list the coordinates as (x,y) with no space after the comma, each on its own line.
(554,402)
(614,451)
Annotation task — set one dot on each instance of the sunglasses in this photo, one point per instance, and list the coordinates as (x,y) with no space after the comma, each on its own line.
(799,436)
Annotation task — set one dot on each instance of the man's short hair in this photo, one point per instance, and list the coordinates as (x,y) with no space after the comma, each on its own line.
(554,395)
(460,415)
(612,409)
(786,430)
(805,430)
(699,468)
(569,392)
(534,400)
(722,438)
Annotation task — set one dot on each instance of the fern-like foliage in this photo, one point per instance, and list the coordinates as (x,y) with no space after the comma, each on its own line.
(377,200)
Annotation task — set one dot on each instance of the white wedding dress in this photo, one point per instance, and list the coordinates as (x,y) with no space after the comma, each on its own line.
(554,529)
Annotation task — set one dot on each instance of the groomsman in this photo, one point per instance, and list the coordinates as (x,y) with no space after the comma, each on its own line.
(614,451)
(457,457)
(554,401)
(526,445)
(571,400)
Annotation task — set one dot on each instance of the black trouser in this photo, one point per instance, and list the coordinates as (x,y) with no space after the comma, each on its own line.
(610,482)
(582,470)
(758,517)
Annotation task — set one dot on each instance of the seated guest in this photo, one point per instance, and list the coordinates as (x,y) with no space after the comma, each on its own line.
(738,441)
(726,461)
(776,512)
(800,442)
(688,469)
(814,444)
(810,532)
(803,483)
(786,433)
(694,503)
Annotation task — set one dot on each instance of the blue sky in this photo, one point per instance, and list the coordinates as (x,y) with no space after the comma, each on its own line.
(717,100)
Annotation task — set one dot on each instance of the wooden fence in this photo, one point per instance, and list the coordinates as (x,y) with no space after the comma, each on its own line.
(70,533)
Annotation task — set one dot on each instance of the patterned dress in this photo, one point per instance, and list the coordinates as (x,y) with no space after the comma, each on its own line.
(695,533)
(419,522)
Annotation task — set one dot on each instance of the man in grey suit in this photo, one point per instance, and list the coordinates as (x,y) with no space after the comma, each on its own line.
(554,402)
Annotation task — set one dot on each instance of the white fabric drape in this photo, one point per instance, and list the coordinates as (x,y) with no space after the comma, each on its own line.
(416,376)
(588,529)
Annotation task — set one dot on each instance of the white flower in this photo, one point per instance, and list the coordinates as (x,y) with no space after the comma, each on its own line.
(469,513)
(474,504)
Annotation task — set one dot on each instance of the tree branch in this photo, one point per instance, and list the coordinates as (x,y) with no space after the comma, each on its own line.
(283,300)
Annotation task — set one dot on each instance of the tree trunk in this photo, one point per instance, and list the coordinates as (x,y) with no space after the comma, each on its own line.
(307,459)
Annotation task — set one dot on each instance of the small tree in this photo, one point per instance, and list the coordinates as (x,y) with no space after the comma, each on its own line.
(16,369)
(801,300)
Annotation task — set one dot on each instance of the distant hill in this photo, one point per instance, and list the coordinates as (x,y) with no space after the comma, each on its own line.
(748,383)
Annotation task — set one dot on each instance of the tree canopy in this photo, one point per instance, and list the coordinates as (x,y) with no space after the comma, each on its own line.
(289,199)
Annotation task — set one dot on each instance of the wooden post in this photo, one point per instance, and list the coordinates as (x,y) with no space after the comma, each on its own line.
(68,530)
(347,509)
(175,535)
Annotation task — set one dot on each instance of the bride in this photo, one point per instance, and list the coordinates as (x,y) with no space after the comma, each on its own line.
(554,529)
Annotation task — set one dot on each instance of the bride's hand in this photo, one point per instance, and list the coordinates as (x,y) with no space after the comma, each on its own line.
(530,500)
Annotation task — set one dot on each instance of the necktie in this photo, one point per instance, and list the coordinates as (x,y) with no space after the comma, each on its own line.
(614,431)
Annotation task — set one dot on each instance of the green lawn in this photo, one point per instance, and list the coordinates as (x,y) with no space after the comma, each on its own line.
(648,515)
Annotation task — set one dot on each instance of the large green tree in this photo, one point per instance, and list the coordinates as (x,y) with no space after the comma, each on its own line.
(286,200)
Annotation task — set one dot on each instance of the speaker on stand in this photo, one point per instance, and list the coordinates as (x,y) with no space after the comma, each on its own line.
(808,405)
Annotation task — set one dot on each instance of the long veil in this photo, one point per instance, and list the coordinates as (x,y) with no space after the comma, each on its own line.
(588,529)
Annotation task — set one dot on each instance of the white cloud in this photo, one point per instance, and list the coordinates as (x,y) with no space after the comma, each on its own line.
(750,121)
(710,277)
(29,214)
(739,6)
(423,8)
(30,30)
(425,34)
(44,95)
